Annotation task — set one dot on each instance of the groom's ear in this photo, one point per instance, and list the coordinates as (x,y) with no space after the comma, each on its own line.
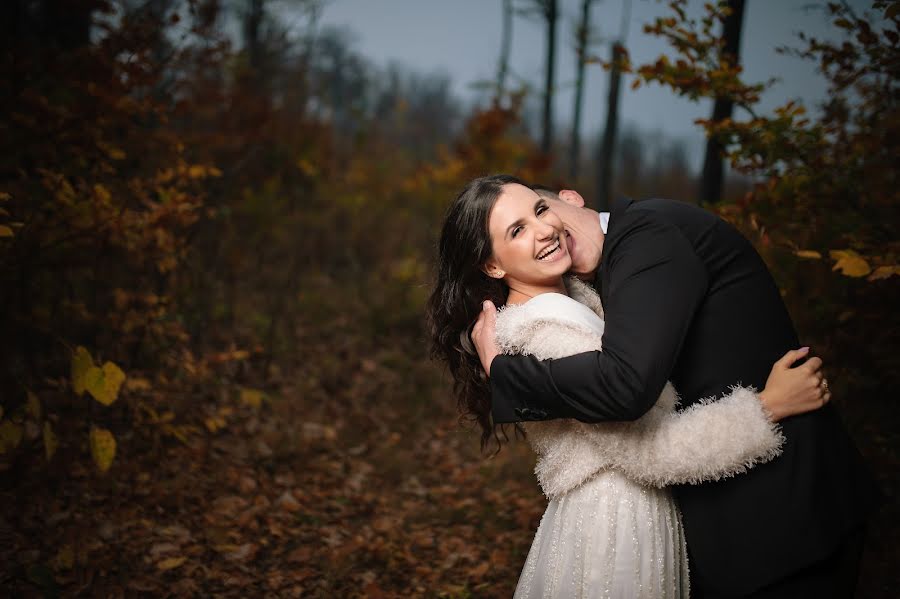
(570,196)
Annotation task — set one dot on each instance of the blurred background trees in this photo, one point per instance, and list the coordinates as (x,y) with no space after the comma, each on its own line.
(209,206)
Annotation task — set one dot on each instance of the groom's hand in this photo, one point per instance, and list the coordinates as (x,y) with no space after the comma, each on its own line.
(483,335)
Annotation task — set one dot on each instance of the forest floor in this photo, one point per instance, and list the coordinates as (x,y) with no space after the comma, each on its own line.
(300,500)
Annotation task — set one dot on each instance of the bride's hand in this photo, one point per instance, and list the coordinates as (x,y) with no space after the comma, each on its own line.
(791,391)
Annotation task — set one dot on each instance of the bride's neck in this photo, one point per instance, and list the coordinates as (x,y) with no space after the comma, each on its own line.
(519,293)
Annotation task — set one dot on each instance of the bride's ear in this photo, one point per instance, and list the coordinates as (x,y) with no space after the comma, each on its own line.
(491,269)
(570,196)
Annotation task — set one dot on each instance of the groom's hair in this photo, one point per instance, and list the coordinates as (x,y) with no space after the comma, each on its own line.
(545,192)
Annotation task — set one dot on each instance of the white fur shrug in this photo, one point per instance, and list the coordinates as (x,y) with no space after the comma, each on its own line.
(707,441)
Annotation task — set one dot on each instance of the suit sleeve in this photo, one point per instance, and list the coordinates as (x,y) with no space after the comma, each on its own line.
(656,282)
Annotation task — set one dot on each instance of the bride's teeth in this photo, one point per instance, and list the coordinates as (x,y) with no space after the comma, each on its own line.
(549,251)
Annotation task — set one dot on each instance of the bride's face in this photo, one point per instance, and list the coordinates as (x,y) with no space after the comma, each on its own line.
(525,236)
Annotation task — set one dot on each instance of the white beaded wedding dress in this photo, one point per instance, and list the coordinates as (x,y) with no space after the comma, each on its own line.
(611,528)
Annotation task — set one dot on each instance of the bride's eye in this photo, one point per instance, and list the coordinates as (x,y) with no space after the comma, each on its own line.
(516,231)
(542,209)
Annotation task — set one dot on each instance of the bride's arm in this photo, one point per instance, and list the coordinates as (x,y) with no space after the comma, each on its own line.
(711,440)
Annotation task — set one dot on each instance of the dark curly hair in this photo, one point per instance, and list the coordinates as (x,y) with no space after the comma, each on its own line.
(460,288)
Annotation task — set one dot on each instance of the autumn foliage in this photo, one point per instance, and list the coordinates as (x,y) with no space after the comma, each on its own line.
(213,262)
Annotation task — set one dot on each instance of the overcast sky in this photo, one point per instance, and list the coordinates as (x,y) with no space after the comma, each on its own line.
(462,39)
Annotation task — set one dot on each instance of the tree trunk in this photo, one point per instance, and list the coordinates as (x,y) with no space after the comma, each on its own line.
(252,25)
(608,146)
(582,36)
(711,179)
(505,45)
(551,12)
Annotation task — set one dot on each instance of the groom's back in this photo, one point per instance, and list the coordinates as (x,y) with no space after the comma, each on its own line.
(755,528)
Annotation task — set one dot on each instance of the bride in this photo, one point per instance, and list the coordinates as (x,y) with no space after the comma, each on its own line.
(611,528)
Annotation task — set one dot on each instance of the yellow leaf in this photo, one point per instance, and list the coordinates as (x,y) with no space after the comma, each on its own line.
(50,441)
(807,254)
(214,423)
(104,383)
(884,272)
(307,167)
(103,447)
(850,263)
(5,231)
(81,364)
(138,384)
(10,435)
(4,196)
(197,172)
(171,563)
(252,397)
(65,558)
(33,407)
(102,193)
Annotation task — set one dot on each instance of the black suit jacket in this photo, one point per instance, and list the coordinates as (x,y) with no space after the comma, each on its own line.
(688,299)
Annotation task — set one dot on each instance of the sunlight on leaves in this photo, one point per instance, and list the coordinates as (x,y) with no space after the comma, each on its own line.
(808,254)
(103,447)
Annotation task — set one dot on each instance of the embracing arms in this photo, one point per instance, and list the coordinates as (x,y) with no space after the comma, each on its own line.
(655,284)
(709,440)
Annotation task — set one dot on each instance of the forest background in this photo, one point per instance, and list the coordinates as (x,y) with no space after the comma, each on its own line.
(217,233)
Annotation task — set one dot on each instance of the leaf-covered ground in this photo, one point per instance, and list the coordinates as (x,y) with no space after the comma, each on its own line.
(360,497)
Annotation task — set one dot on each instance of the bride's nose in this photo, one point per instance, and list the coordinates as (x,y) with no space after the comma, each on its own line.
(546,231)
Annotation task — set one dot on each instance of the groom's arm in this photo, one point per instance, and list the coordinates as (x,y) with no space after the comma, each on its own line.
(656,282)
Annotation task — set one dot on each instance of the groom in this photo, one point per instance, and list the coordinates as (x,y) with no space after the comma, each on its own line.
(688,299)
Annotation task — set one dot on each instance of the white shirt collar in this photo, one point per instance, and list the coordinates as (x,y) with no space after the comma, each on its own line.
(604,221)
